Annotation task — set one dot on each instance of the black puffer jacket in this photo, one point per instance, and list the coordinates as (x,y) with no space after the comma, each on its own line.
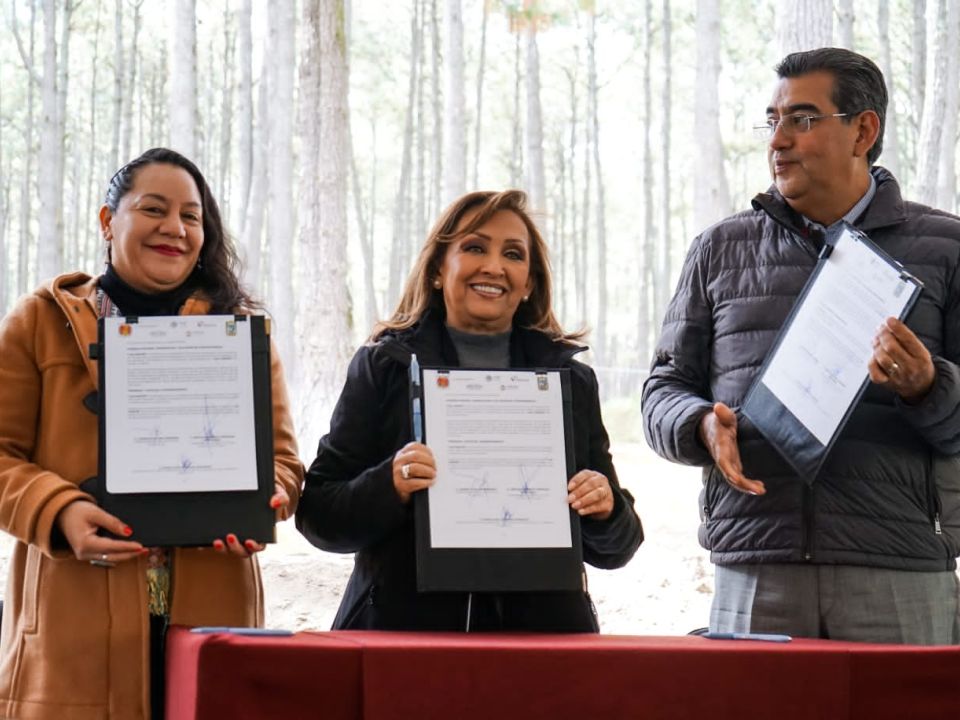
(349,503)
(889,493)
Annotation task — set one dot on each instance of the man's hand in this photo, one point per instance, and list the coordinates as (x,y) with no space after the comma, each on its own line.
(901,362)
(718,432)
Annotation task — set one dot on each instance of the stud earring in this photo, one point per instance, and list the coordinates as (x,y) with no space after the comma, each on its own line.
(437,284)
(526,297)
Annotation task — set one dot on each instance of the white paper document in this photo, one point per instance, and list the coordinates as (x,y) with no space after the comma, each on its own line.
(179,405)
(498,440)
(821,362)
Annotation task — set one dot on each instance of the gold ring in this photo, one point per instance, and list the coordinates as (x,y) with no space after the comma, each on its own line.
(894,368)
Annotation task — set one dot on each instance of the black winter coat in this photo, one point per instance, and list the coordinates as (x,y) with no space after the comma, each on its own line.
(349,503)
(889,492)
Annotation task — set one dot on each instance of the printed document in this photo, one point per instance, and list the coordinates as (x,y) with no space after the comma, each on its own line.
(821,363)
(179,405)
(498,440)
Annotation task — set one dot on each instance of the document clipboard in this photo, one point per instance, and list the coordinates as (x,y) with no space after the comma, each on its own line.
(804,449)
(186,518)
(498,569)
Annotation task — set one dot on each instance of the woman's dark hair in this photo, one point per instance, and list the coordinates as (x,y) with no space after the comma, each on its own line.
(419,293)
(858,83)
(218,270)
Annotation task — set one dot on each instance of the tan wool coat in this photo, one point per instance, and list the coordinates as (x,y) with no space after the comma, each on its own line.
(75,638)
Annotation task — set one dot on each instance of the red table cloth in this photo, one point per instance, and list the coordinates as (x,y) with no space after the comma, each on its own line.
(383,676)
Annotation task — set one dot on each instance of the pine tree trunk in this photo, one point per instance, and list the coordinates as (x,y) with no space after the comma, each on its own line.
(255,207)
(433,203)
(891,136)
(845,19)
(126,152)
(280,219)
(49,182)
(402,204)
(575,239)
(118,66)
(664,272)
(91,240)
(947,174)
(711,196)
(516,158)
(536,184)
(26,188)
(801,24)
(455,107)
(600,352)
(4,212)
(918,68)
(481,66)
(648,280)
(244,116)
(182,89)
(226,102)
(931,142)
(325,304)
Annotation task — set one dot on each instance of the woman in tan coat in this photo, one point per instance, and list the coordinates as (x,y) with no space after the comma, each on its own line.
(84,614)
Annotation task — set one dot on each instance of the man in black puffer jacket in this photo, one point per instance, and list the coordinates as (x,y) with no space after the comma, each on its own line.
(867,551)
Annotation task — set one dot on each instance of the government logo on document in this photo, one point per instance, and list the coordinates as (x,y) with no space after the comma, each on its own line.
(542,382)
(443,380)
(125,329)
(231,328)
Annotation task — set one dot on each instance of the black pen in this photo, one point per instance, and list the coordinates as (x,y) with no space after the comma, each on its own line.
(415,389)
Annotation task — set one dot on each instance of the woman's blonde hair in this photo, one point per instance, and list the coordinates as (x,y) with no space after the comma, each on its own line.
(419,293)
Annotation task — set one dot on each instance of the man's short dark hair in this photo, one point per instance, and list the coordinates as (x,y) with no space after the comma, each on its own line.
(858,83)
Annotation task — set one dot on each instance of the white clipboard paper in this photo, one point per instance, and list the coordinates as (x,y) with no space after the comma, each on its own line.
(816,372)
(497,519)
(185,421)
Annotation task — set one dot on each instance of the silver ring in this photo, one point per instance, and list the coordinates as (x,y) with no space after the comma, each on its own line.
(894,368)
(405,471)
(101,561)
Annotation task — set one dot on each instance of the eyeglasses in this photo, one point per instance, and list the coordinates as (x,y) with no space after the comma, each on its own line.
(795,124)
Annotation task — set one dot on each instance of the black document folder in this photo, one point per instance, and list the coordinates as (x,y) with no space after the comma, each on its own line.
(197,518)
(501,569)
(805,452)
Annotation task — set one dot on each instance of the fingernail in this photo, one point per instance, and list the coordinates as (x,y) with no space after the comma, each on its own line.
(576,505)
(218,544)
(232,539)
(274,502)
(127,530)
(250,545)
(144,551)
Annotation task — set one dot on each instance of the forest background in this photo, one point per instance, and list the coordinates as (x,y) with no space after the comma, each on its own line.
(333,134)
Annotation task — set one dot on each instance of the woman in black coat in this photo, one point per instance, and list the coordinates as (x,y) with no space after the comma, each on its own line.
(479,296)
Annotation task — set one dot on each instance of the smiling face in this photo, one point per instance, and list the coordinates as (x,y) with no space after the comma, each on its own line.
(823,172)
(156,232)
(486,274)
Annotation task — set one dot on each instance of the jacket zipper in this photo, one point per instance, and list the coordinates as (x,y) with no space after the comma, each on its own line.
(807,512)
(933,499)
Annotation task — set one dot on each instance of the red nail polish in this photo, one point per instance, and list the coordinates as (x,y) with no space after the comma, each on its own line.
(144,551)
(232,539)
(218,544)
(127,530)
(275,502)
(250,545)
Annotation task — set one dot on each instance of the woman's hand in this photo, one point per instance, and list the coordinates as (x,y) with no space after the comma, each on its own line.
(413,469)
(590,494)
(79,522)
(279,502)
